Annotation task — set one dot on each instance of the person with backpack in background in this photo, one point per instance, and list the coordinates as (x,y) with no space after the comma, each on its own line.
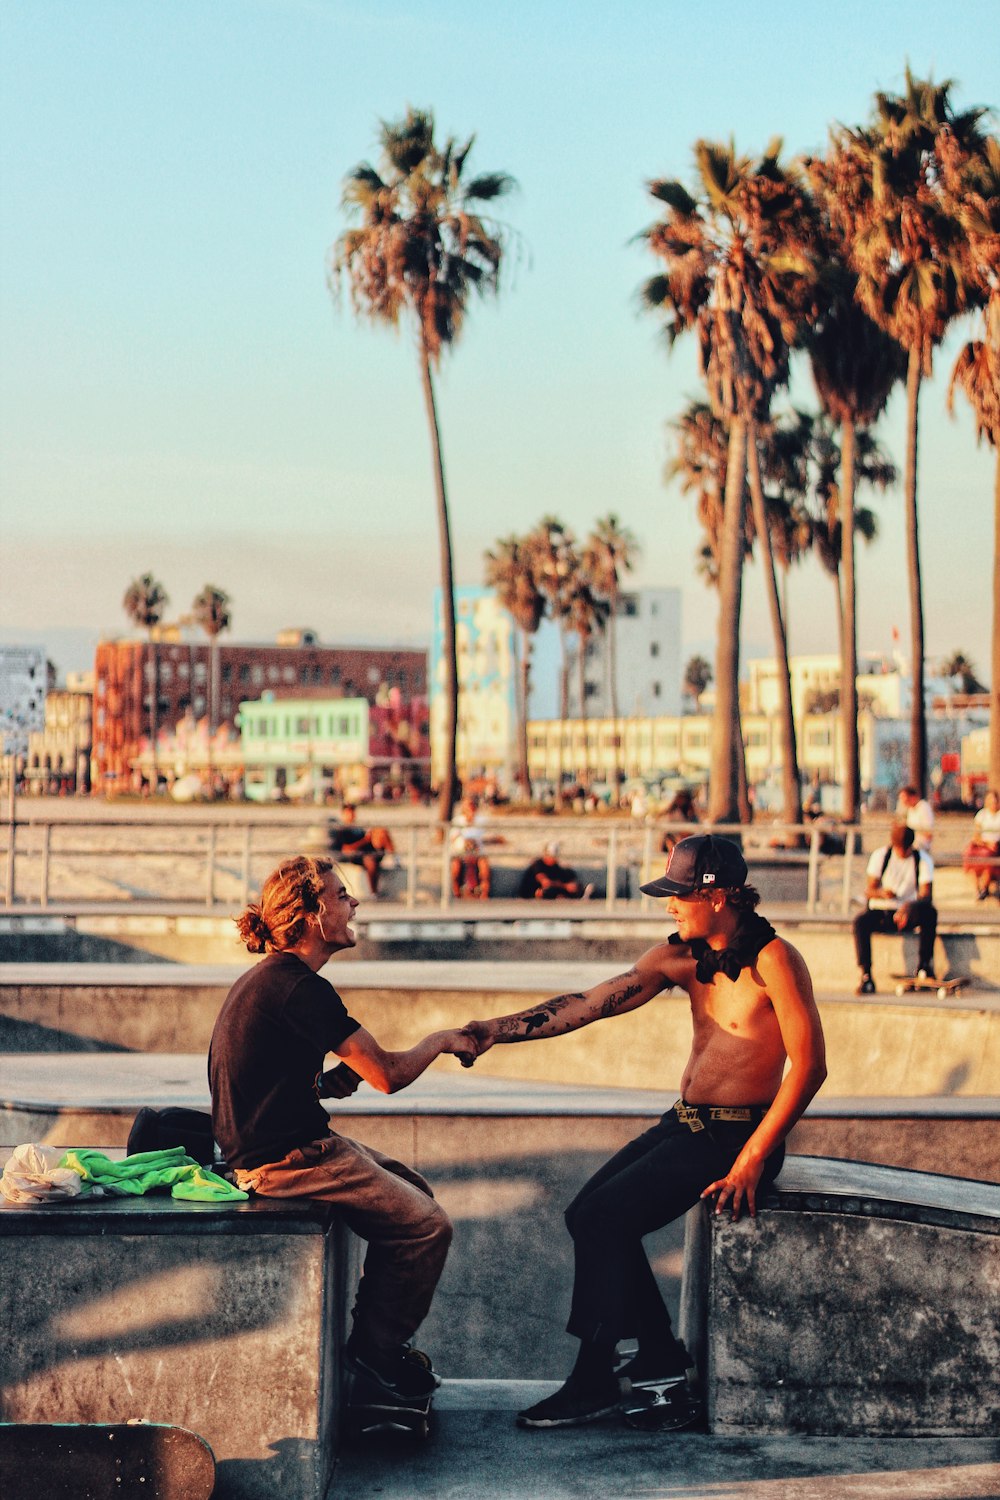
(898,895)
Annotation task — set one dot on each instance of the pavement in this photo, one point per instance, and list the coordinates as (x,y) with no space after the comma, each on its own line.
(476,1452)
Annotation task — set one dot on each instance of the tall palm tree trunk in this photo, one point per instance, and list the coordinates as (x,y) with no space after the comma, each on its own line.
(848,623)
(582,690)
(524,674)
(154,706)
(918,719)
(446,798)
(723,794)
(994,773)
(791,787)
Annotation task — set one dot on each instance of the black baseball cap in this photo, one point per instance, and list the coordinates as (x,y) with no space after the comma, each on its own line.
(700,863)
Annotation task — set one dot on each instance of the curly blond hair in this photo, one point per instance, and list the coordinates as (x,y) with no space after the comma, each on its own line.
(289,894)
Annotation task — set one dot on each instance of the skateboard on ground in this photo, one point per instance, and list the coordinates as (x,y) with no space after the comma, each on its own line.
(907,984)
(666,1405)
(97,1460)
(371,1409)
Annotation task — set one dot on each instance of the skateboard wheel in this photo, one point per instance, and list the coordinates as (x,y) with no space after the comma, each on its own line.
(942,992)
(901,989)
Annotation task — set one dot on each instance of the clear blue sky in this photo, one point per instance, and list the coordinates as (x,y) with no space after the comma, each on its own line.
(179,392)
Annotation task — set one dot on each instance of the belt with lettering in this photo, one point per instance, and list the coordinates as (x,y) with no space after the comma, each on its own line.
(697,1116)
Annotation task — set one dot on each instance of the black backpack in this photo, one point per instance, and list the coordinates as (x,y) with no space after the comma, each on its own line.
(161,1129)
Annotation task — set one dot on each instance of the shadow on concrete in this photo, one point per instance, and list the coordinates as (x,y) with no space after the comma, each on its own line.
(30,1036)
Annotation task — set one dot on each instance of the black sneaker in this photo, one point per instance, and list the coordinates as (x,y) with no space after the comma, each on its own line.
(395,1371)
(866,985)
(571,1406)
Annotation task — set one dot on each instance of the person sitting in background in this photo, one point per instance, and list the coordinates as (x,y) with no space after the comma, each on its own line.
(546,879)
(681,810)
(981,859)
(352,845)
(470,869)
(898,892)
(916,812)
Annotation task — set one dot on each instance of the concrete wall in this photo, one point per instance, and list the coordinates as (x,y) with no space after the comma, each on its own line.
(862,1302)
(184,1314)
(877,1045)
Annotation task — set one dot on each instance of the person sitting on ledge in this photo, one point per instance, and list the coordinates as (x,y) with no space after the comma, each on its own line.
(898,893)
(265,1067)
(546,879)
(352,845)
(752,1010)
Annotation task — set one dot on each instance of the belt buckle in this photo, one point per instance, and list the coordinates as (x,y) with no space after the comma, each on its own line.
(688,1113)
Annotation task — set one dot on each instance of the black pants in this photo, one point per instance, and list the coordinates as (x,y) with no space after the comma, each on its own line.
(649,1183)
(921,917)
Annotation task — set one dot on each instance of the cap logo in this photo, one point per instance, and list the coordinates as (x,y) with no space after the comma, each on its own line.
(708,878)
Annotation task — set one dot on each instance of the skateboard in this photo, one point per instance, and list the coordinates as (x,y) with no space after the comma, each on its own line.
(661,1405)
(94,1460)
(370,1409)
(907,984)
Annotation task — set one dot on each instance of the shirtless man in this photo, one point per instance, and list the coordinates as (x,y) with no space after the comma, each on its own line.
(752,1009)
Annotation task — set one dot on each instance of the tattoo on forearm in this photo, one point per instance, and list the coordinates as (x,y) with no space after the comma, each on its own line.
(527,1022)
(618,998)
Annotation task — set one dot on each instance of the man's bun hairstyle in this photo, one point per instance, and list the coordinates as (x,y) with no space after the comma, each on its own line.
(289,895)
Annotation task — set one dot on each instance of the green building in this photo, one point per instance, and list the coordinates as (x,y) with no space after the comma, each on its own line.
(304,748)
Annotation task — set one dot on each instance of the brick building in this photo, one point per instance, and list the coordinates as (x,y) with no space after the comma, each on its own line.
(132,719)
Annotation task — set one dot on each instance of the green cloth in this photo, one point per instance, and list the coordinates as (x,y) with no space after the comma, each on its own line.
(148,1171)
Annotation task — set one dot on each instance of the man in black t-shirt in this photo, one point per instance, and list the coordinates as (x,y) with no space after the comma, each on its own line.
(266,1059)
(546,879)
(352,845)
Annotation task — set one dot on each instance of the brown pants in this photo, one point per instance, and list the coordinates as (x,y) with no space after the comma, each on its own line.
(384,1202)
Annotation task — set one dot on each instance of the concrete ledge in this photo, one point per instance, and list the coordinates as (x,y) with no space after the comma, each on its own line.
(223,1318)
(879,1044)
(856,1303)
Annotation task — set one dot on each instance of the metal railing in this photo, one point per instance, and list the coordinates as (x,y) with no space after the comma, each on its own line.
(217,860)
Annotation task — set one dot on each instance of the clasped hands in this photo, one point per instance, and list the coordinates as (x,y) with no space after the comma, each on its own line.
(468,1042)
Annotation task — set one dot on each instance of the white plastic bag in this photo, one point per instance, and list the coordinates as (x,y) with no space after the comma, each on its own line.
(33,1173)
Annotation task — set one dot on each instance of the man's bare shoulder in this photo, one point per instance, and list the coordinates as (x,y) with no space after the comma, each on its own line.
(672,960)
(780,963)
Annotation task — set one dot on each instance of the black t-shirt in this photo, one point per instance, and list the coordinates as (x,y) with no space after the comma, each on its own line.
(345,836)
(529,880)
(276,1026)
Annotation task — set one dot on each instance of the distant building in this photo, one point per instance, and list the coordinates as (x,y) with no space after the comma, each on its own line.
(884,685)
(131,742)
(310,749)
(58,755)
(24,680)
(648,673)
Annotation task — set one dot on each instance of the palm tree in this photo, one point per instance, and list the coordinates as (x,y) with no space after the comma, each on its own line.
(211,612)
(908,248)
(739,274)
(555,560)
(697,676)
(973,187)
(144,602)
(422,248)
(855,367)
(959,664)
(510,571)
(586,613)
(699,465)
(609,551)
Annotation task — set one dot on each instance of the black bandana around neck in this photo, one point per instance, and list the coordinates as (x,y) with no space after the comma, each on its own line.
(752,934)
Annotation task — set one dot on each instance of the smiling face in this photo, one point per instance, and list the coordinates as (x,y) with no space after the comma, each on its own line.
(696,915)
(336,908)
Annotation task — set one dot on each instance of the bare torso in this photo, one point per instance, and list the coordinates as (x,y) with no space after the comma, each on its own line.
(737,1053)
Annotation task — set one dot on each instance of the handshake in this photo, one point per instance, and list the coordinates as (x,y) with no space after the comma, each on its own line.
(468,1042)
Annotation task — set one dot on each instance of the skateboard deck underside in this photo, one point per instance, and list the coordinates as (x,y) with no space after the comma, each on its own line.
(94,1461)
